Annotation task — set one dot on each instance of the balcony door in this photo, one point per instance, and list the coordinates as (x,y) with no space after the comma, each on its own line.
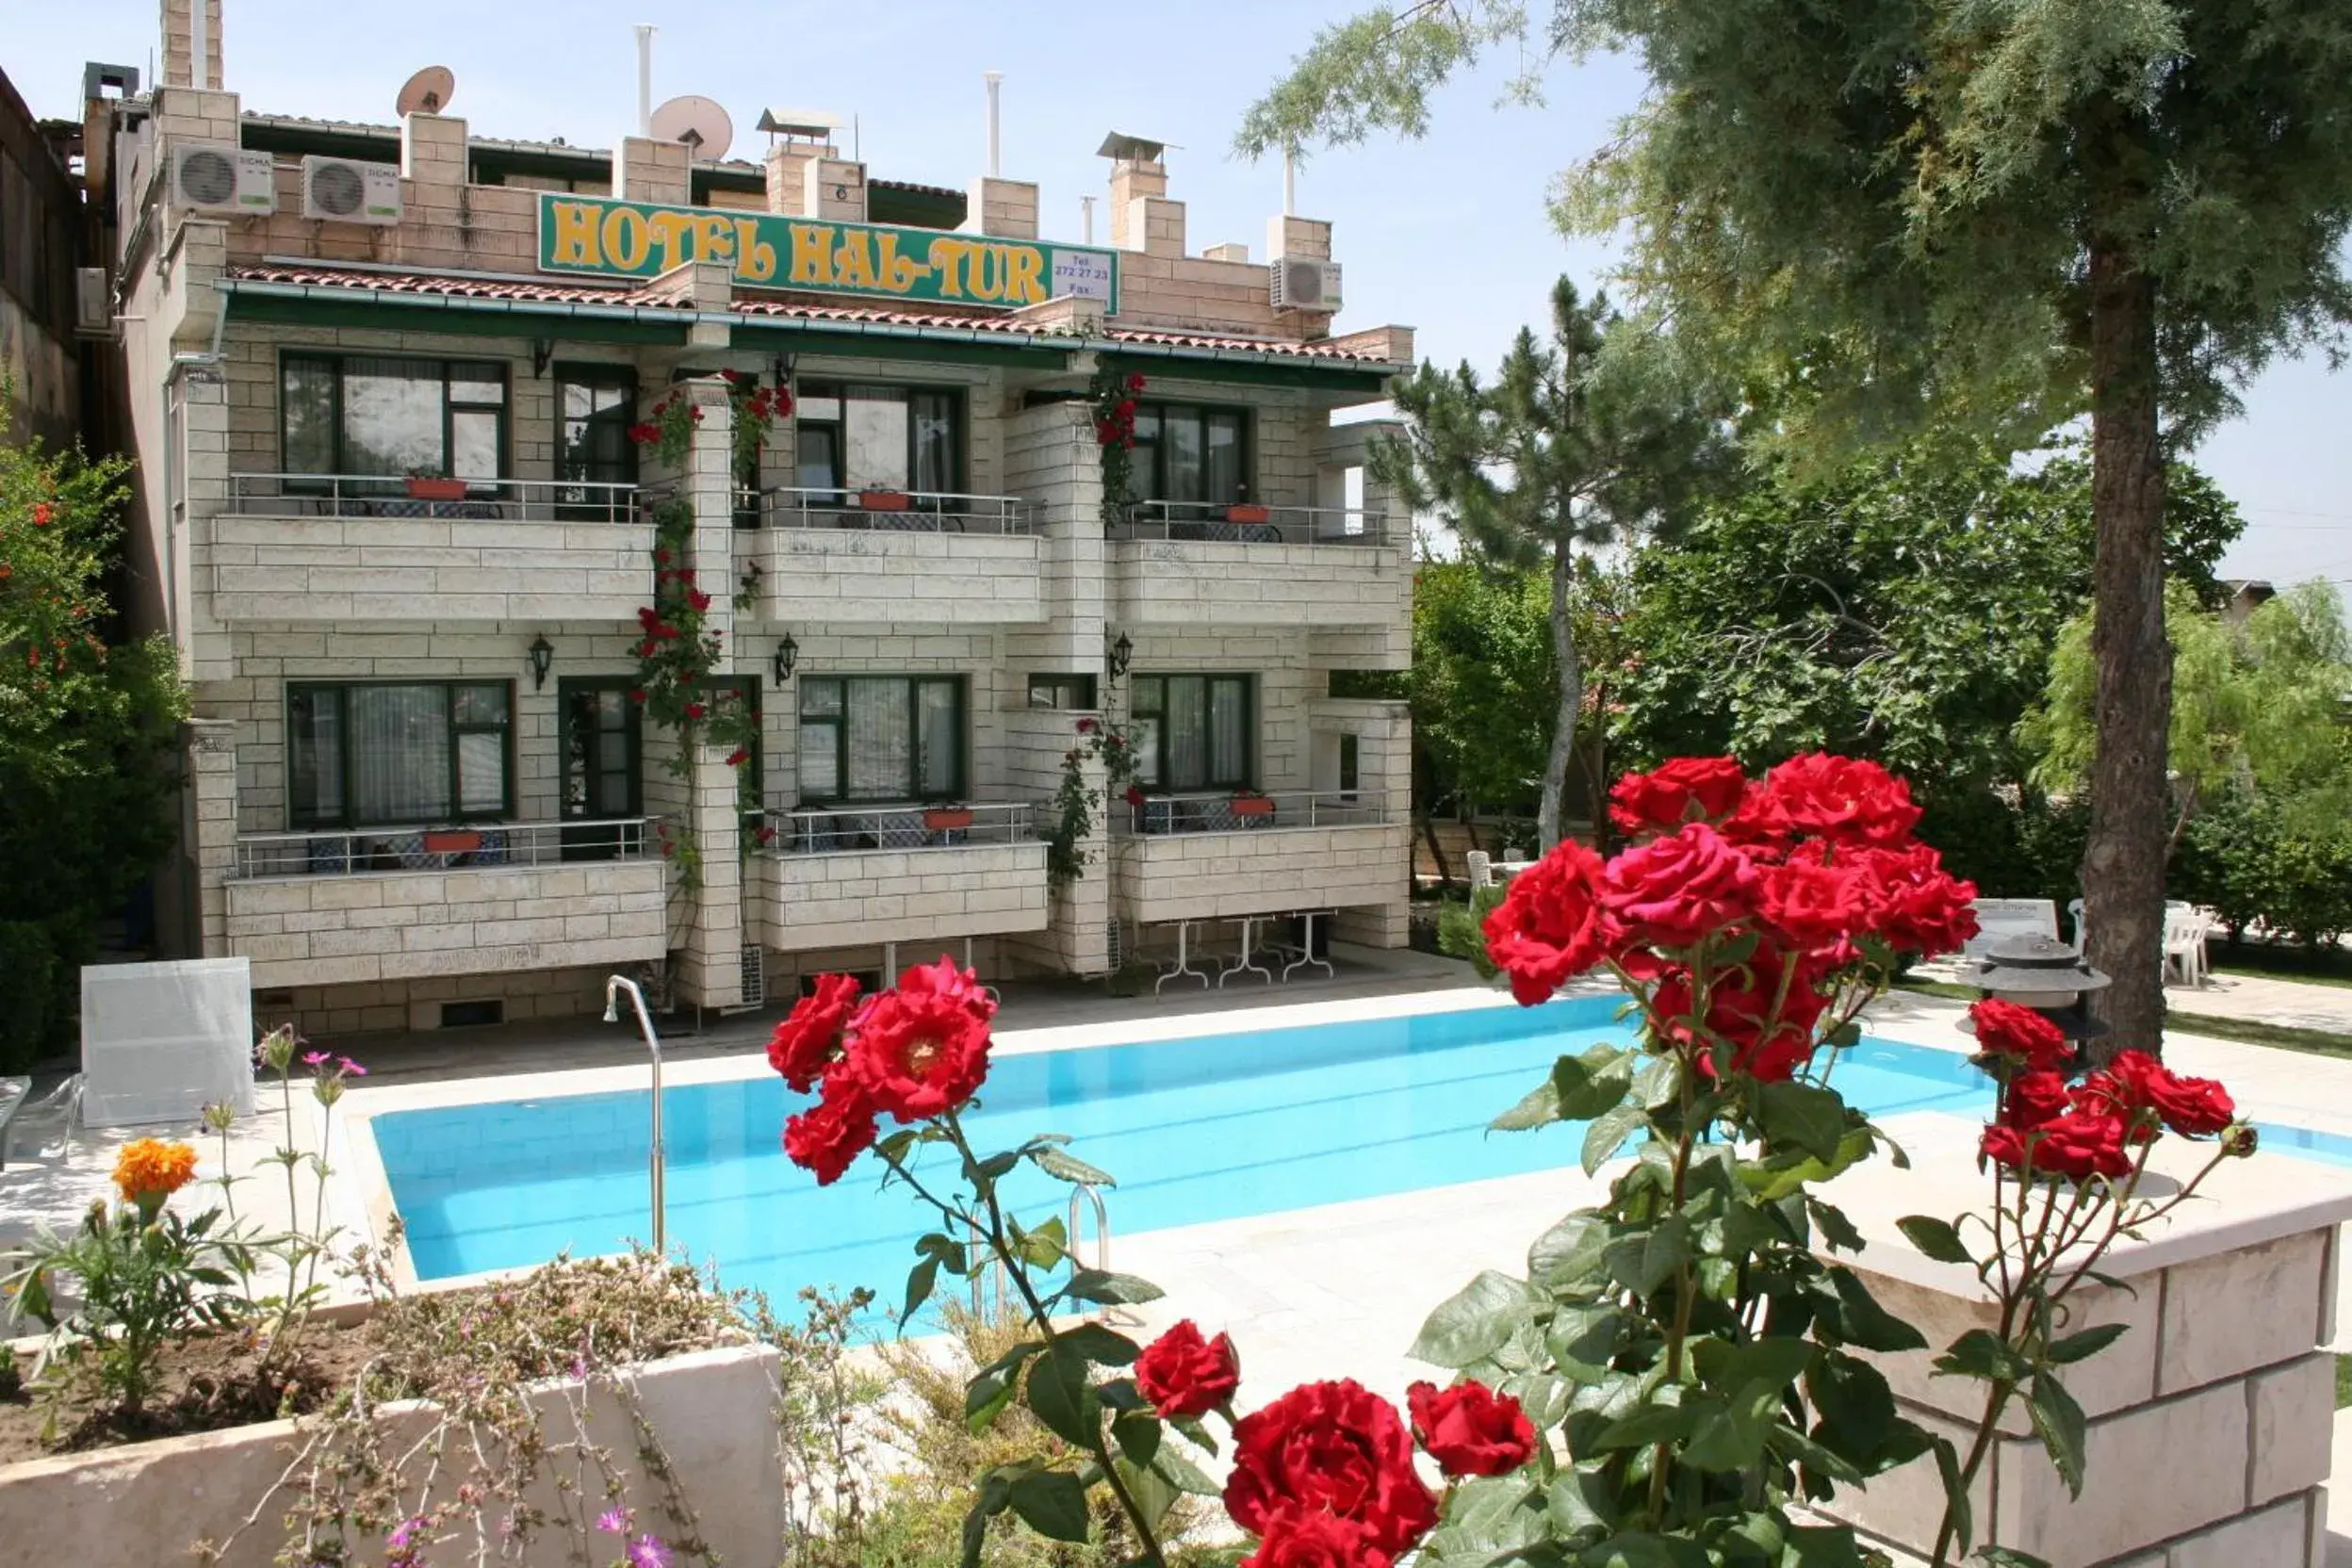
(602,771)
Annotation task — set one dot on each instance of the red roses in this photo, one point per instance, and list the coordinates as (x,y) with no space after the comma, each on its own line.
(1705,787)
(2091,1128)
(1670,891)
(1185,1376)
(1470,1430)
(915,1052)
(2020,1034)
(1331,1448)
(1550,928)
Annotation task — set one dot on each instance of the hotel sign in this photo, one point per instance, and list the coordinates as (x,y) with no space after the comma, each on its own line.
(638,240)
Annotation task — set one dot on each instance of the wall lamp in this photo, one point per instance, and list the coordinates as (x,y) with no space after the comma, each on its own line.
(1121,652)
(787,655)
(542,660)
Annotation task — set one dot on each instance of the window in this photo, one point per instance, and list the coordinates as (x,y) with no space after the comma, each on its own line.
(1061,691)
(854,437)
(1190,454)
(385,754)
(881,738)
(368,414)
(595,405)
(1193,731)
(1350,764)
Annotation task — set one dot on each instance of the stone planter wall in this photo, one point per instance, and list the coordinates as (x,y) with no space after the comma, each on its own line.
(2209,1417)
(146,1504)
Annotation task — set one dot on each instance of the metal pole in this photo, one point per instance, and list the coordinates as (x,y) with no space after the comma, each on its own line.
(645,78)
(1290,182)
(1085,207)
(995,80)
(614,985)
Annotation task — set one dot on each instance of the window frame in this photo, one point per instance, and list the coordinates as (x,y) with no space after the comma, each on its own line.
(348,818)
(337,359)
(601,376)
(1156,482)
(838,725)
(1161,735)
(958,399)
(1079,684)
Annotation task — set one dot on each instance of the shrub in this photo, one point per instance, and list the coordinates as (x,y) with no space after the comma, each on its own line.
(27,959)
(1461,929)
(2252,858)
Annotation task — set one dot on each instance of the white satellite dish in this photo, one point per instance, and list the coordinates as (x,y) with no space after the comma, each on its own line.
(697,122)
(429,91)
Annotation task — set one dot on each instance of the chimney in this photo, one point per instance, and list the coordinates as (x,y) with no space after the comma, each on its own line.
(994,205)
(432,151)
(191,27)
(661,173)
(1142,217)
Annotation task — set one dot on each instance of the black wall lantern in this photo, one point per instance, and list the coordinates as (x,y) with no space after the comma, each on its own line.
(2041,973)
(787,655)
(542,660)
(1121,651)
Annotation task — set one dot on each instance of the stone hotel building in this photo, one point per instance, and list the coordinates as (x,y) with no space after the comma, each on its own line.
(389,385)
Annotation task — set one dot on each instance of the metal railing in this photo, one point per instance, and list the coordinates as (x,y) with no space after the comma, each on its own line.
(351,852)
(1225,812)
(1249,523)
(391,496)
(850,830)
(895,511)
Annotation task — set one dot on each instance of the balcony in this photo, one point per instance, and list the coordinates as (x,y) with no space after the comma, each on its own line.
(1216,857)
(361,548)
(1179,563)
(844,558)
(900,873)
(333,907)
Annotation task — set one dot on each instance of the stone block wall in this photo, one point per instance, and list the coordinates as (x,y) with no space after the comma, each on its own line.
(857,577)
(1219,875)
(913,895)
(1198,582)
(296,569)
(1076,939)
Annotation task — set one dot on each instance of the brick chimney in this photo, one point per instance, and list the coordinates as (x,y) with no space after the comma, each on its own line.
(179,43)
(1142,217)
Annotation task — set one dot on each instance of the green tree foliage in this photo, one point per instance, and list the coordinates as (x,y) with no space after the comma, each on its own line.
(87,735)
(1483,686)
(1990,215)
(1590,436)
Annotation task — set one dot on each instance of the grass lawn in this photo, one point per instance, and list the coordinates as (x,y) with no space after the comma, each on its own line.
(2328,966)
(2343,1381)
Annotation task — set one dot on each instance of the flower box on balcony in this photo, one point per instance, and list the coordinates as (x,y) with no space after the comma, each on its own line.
(947,818)
(883,501)
(454,841)
(1253,805)
(1248,512)
(427,489)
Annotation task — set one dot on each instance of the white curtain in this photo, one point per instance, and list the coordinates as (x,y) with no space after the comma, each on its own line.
(399,753)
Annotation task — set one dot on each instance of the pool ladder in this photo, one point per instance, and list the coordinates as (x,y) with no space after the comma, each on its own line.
(989,1295)
(613,986)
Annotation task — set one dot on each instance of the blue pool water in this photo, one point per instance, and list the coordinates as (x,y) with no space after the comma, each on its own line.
(1217,1127)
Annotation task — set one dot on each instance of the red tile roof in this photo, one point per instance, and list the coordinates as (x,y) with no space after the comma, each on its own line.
(480,287)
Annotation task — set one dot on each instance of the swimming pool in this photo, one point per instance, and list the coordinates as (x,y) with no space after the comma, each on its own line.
(1214,1127)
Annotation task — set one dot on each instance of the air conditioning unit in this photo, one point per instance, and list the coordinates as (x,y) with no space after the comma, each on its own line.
(1305,283)
(93,302)
(348,191)
(215,177)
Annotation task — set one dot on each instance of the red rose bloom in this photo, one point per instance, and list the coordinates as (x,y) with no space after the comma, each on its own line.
(1704,788)
(699,600)
(1843,799)
(1919,907)
(1134,794)
(43,512)
(1085,726)
(1470,1430)
(1815,903)
(921,1050)
(1183,1375)
(2136,1081)
(2033,1099)
(696,710)
(1674,890)
(810,1039)
(1134,382)
(1298,1539)
(1766,1044)
(830,1134)
(1329,1447)
(1550,926)
(2077,1145)
(2008,1029)
(638,695)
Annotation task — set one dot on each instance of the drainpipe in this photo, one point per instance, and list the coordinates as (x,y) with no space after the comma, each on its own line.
(199,44)
(995,80)
(645,78)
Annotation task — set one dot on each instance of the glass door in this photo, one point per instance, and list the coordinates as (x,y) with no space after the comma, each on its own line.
(602,776)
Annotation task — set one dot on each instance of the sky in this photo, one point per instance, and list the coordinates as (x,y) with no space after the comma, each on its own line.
(1448,235)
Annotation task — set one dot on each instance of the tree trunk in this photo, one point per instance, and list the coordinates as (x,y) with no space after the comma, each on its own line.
(2123,864)
(1571,696)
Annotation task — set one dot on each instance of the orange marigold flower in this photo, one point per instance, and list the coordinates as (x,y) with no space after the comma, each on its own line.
(154,1168)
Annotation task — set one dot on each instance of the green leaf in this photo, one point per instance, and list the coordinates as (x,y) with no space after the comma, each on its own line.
(1650,1423)
(1822,1547)
(1195,1432)
(920,1280)
(1608,1132)
(1583,1340)
(1068,1168)
(1960,1511)
(1844,1037)
(1103,1347)
(1644,1261)
(1059,1396)
(2088,1341)
(1644,1550)
(1108,1289)
(1579,1500)
(1779,1360)
(1053,1503)
(985,1398)
(1933,1238)
(1137,1436)
(2007,1557)
(1863,1322)
(1474,1322)
(1728,1434)
(1153,1492)
(1569,1253)
(995,1167)
(1982,1353)
(1538,1107)
(1801,1116)
(1046,1246)
(2058,1422)
(1591,1083)
(1182,1474)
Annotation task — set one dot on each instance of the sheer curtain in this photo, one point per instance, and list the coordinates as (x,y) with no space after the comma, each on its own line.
(1187,731)
(1229,740)
(881,740)
(941,747)
(399,753)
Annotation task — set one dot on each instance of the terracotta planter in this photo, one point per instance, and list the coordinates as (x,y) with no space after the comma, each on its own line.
(1253,805)
(883,501)
(436,489)
(947,818)
(1246,513)
(455,842)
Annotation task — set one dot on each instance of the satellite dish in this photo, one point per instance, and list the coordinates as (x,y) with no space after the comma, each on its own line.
(429,91)
(697,122)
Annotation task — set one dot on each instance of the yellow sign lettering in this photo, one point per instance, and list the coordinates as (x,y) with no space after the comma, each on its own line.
(812,257)
(573,242)
(896,272)
(1024,283)
(714,238)
(672,232)
(627,238)
(852,262)
(948,258)
(988,272)
(755,258)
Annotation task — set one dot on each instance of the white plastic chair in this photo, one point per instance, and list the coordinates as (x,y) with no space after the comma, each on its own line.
(2081,929)
(2184,946)
(1481,868)
(58,1112)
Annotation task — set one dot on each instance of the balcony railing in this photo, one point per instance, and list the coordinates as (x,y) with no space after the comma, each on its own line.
(1226,812)
(857,829)
(340,851)
(390,495)
(1247,523)
(895,511)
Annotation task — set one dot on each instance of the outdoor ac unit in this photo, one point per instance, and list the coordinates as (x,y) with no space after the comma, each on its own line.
(349,191)
(1305,283)
(215,177)
(93,304)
